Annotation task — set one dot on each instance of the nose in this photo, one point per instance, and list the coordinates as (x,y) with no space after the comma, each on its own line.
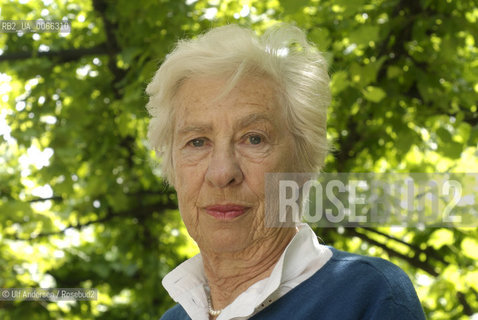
(224,169)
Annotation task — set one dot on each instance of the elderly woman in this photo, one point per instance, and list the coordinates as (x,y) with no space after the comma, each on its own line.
(228,107)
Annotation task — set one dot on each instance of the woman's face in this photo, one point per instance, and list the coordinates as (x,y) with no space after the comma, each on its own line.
(222,148)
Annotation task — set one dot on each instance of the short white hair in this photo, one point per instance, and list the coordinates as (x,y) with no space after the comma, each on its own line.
(281,54)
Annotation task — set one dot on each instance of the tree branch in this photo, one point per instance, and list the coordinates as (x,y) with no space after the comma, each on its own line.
(112,45)
(429,251)
(62,55)
(347,144)
(54,198)
(60,198)
(466,307)
(414,261)
(140,212)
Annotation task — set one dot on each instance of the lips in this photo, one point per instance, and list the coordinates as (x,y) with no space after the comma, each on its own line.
(226,212)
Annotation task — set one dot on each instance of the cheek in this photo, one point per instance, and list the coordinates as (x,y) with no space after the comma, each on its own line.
(188,188)
(191,157)
(278,161)
(254,177)
(255,172)
(285,158)
(188,162)
(184,173)
(187,208)
(188,183)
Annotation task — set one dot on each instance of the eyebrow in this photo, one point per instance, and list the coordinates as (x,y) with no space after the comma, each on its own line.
(252,118)
(195,128)
(244,122)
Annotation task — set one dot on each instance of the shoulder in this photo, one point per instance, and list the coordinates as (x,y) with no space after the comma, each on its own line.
(350,286)
(175,313)
(378,283)
(345,261)
(370,270)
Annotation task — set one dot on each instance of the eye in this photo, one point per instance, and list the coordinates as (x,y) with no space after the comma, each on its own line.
(254,139)
(197,143)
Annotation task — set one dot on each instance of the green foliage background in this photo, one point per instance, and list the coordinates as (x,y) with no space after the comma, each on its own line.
(82,203)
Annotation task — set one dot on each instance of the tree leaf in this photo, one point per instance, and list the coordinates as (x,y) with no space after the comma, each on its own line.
(374,94)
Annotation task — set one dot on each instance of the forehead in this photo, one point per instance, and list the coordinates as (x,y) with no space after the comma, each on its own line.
(202,95)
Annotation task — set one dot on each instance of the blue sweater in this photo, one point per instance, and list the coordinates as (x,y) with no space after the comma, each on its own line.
(348,286)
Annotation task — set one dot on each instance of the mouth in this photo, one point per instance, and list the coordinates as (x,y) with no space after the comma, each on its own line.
(226,211)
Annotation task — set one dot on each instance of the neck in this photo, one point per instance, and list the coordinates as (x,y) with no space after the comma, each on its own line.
(230,274)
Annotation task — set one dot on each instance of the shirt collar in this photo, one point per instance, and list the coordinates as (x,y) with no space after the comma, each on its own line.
(301,259)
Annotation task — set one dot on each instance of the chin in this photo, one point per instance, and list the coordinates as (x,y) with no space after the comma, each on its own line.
(225,241)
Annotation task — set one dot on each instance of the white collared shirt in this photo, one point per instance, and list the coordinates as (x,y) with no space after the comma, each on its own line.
(299,261)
